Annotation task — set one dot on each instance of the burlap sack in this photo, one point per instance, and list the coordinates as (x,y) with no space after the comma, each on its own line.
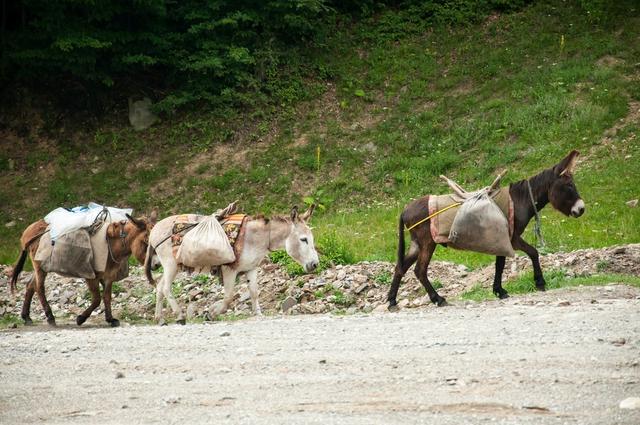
(71,255)
(100,248)
(481,226)
(205,245)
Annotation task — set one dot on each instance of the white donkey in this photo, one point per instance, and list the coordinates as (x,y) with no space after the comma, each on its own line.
(261,236)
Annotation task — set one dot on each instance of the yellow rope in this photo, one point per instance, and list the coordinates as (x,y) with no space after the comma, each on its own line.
(435,214)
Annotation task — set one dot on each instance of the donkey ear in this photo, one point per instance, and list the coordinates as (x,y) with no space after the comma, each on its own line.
(139,223)
(568,164)
(307,214)
(294,213)
(153,218)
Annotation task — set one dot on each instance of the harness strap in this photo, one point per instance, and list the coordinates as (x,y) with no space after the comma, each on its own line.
(187,227)
(537,229)
(435,214)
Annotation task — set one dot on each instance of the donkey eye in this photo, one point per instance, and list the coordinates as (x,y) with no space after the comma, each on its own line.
(305,240)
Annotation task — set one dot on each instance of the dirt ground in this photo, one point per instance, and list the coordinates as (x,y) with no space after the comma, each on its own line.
(562,357)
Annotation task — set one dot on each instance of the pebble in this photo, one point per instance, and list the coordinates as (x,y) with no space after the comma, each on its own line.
(119,375)
(288,303)
(630,403)
(619,342)
(225,333)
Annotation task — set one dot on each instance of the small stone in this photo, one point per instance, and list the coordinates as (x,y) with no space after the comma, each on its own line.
(403,303)
(323,361)
(620,250)
(288,303)
(619,342)
(360,278)
(382,308)
(171,400)
(119,375)
(563,303)
(630,403)
(361,288)
(189,378)
(632,203)
(10,224)
(225,333)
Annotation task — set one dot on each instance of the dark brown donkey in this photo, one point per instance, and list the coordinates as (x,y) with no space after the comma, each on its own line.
(124,238)
(553,185)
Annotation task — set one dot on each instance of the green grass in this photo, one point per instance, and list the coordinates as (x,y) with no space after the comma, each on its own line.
(9,320)
(404,106)
(555,279)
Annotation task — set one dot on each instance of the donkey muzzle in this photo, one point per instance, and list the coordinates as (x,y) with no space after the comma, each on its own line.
(578,208)
(311,266)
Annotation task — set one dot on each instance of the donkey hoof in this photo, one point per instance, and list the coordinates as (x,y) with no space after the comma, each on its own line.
(80,319)
(27,321)
(51,321)
(442,302)
(502,294)
(540,288)
(114,323)
(393,308)
(181,322)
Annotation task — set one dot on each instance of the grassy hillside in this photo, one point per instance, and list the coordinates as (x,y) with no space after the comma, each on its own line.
(395,108)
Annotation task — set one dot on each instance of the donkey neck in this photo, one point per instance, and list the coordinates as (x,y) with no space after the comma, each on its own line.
(524,209)
(279,230)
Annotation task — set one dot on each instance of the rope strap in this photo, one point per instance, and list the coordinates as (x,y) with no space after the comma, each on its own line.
(537,229)
(435,214)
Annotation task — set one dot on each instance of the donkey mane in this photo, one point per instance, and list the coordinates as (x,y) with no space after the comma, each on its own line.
(539,183)
(266,220)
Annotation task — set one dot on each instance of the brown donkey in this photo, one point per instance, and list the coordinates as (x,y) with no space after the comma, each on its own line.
(125,237)
(553,185)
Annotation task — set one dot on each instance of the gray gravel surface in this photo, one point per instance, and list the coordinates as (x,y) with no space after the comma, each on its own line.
(562,357)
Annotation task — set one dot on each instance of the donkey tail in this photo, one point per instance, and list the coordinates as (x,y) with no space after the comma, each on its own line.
(17,269)
(147,264)
(400,241)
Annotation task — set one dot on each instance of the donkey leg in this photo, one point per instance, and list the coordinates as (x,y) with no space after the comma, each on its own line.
(106,297)
(229,278)
(538,278)
(252,278)
(94,288)
(167,279)
(159,300)
(424,257)
(498,290)
(400,271)
(39,284)
(26,305)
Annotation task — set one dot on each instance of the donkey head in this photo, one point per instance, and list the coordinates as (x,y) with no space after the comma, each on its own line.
(134,234)
(563,193)
(299,244)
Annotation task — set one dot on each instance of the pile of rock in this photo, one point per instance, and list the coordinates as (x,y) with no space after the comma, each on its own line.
(351,288)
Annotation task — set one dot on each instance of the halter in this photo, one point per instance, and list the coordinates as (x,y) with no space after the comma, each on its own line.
(122,237)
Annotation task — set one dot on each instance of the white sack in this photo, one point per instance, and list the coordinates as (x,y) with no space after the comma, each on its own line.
(205,245)
(481,226)
(62,221)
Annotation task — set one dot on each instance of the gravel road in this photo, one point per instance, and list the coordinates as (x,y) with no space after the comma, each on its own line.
(562,357)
